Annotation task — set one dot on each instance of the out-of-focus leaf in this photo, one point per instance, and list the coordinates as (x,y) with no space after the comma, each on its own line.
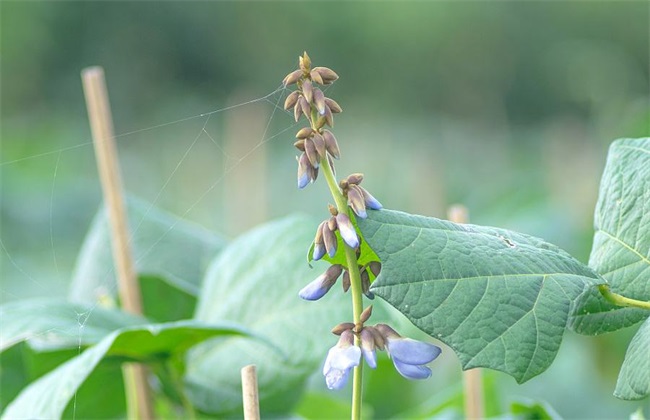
(499,298)
(255,282)
(533,410)
(49,396)
(55,324)
(162,302)
(634,377)
(621,249)
(164,246)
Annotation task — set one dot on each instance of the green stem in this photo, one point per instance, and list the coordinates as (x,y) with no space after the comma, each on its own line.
(620,300)
(355,283)
(177,382)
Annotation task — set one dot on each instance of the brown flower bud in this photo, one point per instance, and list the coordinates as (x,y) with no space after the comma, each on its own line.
(331,144)
(329,159)
(331,223)
(355,200)
(319,101)
(300,145)
(365,282)
(375,267)
(316,77)
(304,132)
(329,238)
(308,91)
(304,62)
(313,173)
(355,178)
(292,77)
(333,211)
(334,106)
(365,315)
(379,339)
(305,107)
(291,100)
(343,326)
(297,110)
(329,118)
(311,152)
(319,143)
(345,282)
(327,74)
(304,171)
(344,185)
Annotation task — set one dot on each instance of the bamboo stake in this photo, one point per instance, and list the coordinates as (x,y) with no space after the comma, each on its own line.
(249,393)
(101,124)
(472,379)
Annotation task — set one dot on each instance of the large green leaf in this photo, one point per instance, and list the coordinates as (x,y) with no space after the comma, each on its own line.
(500,299)
(255,282)
(621,249)
(49,396)
(634,377)
(56,324)
(164,246)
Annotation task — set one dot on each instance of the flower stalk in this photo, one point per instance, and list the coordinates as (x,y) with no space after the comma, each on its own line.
(620,300)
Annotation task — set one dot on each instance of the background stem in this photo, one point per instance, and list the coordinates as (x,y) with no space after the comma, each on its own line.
(620,300)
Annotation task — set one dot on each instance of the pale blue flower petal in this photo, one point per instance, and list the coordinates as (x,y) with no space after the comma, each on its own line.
(412,352)
(316,289)
(337,378)
(412,371)
(319,251)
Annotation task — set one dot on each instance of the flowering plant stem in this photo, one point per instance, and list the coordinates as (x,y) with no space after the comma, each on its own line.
(355,284)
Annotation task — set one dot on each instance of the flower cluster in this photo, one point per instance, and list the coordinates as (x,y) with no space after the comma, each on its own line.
(409,356)
(318,146)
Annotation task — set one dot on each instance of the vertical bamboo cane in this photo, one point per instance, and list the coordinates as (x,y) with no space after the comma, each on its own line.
(249,393)
(101,124)
(472,379)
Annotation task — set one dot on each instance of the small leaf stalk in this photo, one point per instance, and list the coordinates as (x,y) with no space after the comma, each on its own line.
(357,341)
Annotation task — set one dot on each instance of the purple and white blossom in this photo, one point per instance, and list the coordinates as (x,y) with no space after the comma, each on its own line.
(340,360)
(348,233)
(409,356)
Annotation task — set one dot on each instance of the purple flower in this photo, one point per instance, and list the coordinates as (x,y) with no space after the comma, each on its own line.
(323,283)
(348,233)
(340,360)
(370,201)
(409,356)
(368,348)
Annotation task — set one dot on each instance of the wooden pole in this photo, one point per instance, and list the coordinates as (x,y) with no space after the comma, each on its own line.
(249,393)
(101,124)
(472,379)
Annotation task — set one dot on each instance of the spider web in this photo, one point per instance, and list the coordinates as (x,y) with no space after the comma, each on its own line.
(206,133)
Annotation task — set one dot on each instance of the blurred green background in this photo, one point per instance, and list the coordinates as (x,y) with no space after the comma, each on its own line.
(506,107)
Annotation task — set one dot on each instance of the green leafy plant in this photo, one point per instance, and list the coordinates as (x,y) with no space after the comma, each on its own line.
(498,298)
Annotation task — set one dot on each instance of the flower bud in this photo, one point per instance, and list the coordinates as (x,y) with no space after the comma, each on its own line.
(331,223)
(365,284)
(319,245)
(375,267)
(329,160)
(304,62)
(346,281)
(355,178)
(346,228)
(303,171)
(344,326)
(330,240)
(305,107)
(331,144)
(370,201)
(313,173)
(328,75)
(304,133)
(319,143)
(368,348)
(333,105)
(292,78)
(323,283)
(291,100)
(312,154)
(300,145)
(329,118)
(355,200)
(333,211)
(365,315)
(308,91)
(316,77)
(379,339)
(297,110)
(319,101)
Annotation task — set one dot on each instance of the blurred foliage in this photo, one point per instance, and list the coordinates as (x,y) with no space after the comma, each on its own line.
(507,107)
